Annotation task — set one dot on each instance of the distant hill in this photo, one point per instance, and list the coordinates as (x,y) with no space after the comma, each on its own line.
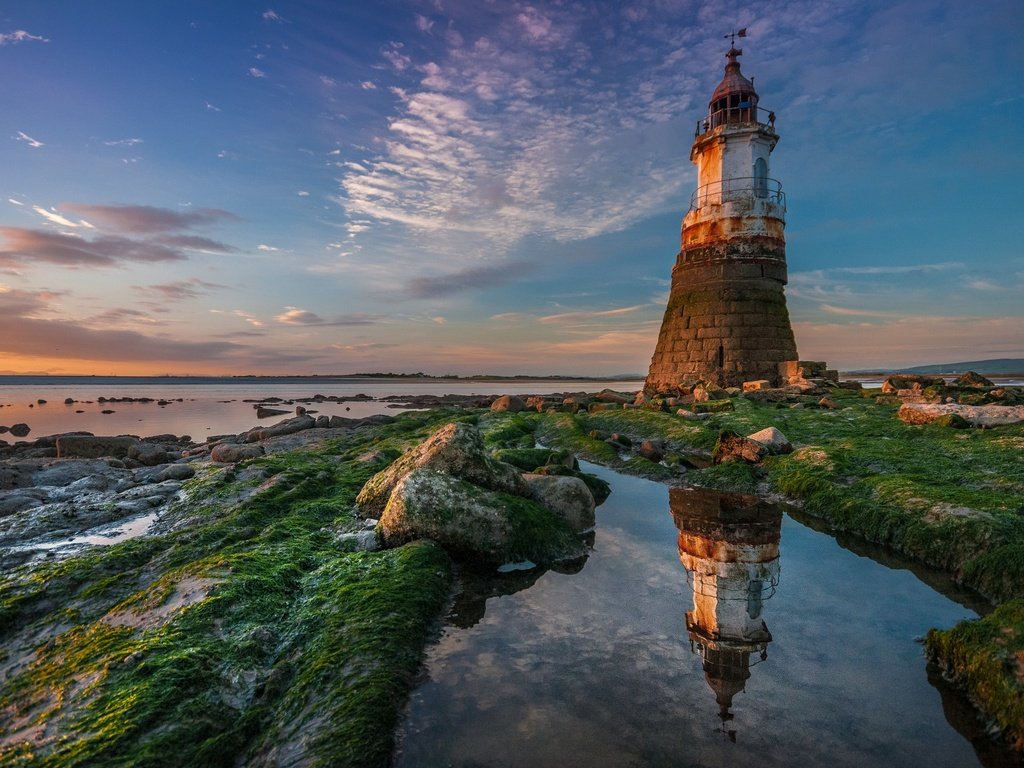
(1000,367)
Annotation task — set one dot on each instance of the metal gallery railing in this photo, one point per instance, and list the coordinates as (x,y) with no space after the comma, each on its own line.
(739,115)
(737,189)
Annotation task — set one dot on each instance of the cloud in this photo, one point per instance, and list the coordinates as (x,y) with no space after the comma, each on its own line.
(267,248)
(257,73)
(471,278)
(302,193)
(902,269)
(249,318)
(589,315)
(34,143)
(180,290)
(298,316)
(27,335)
(144,219)
(55,217)
(398,60)
(195,243)
(272,15)
(423,24)
(366,85)
(26,247)
(20,36)
(123,142)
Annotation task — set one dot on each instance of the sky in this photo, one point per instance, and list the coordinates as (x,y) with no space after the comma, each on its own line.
(474,186)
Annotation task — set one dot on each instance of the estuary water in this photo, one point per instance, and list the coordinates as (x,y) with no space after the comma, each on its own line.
(204,406)
(703,630)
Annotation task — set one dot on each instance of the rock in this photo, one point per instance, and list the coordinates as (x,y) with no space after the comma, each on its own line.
(148,454)
(17,502)
(20,430)
(456,514)
(300,410)
(976,415)
(598,407)
(972,379)
(691,416)
(751,386)
(828,402)
(230,453)
(509,403)
(92,447)
(567,497)
(704,391)
(611,396)
(773,440)
(175,472)
(732,447)
(266,413)
(69,401)
(954,420)
(358,541)
(286,427)
(323,422)
(652,450)
(456,449)
(895,383)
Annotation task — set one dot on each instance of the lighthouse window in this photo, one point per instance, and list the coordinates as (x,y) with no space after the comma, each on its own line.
(760,178)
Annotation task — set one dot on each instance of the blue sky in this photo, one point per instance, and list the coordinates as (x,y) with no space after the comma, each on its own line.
(468,187)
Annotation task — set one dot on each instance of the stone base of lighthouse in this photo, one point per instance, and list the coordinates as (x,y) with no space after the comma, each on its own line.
(726,320)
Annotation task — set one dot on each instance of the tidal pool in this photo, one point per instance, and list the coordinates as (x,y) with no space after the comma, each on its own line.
(703,630)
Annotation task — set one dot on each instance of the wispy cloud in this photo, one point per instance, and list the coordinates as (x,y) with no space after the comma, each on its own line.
(299,316)
(271,15)
(589,315)
(179,290)
(471,278)
(256,72)
(27,247)
(901,269)
(123,142)
(20,36)
(145,219)
(34,143)
(55,218)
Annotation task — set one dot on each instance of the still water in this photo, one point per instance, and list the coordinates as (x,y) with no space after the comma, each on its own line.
(702,631)
(203,406)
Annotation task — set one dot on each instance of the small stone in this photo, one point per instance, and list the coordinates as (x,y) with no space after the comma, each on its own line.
(20,430)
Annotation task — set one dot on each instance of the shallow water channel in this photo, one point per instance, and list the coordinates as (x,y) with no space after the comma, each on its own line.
(703,630)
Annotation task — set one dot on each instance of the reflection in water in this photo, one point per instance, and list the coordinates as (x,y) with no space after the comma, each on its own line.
(729,546)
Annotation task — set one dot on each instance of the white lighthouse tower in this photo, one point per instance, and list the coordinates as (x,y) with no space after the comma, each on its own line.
(726,321)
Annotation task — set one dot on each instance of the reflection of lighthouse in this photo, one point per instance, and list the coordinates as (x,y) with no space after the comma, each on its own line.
(729,545)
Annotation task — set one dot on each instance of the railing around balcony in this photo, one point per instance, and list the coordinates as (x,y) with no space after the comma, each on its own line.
(736,189)
(741,115)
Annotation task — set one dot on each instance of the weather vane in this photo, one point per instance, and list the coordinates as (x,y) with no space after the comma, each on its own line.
(733,35)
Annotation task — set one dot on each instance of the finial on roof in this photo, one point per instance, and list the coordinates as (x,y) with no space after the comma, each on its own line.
(731,37)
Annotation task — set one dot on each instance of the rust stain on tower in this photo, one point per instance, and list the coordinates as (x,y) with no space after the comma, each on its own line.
(726,320)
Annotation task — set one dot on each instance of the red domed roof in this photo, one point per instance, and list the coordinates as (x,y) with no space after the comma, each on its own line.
(733,82)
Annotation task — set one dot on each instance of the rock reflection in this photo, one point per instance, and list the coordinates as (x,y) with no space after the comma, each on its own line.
(729,546)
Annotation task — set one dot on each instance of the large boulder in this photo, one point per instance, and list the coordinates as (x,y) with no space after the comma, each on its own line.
(457,450)
(976,415)
(231,453)
(733,447)
(473,523)
(567,497)
(286,427)
(509,403)
(972,379)
(894,384)
(772,439)
(91,447)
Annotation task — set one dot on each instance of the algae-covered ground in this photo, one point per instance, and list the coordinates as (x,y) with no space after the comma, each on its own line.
(244,632)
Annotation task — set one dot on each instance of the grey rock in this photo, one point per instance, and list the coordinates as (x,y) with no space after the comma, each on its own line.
(286,427)
(359,541)
(509,403)
(772,439)
(91,447)
(20,430)
(567,497)
(229,453)
(456,449)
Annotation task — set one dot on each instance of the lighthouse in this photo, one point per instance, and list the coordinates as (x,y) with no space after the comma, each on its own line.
(726,321)
(729,546)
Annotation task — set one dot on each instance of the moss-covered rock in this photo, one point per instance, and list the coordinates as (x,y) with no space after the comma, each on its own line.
(456,449)
(986,657)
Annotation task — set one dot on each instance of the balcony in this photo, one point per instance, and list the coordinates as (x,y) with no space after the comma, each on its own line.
(745,188)
(744,114)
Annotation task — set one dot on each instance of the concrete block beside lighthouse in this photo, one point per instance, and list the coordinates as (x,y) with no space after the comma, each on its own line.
(726,321)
